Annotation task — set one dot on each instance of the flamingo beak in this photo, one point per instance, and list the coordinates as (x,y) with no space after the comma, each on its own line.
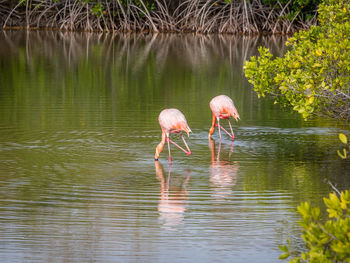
(188,132)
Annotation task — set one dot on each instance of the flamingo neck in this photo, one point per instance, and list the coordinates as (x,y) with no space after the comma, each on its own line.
(160,146)
(212,128)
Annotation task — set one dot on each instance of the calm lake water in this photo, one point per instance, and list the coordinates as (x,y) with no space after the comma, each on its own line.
(78,131)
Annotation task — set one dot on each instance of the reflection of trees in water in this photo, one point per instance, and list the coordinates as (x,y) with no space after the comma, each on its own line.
(223,174)
(173,197)
(136,49)
(111,72)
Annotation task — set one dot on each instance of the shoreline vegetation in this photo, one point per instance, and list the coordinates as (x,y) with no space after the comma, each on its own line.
(161,16)
(313,76)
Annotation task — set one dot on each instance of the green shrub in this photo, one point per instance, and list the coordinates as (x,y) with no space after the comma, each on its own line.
(313,77)
(97,10)
(306,8)
(329,241)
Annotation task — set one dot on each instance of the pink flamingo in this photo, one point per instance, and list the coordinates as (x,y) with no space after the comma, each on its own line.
(172,121)
(222,107)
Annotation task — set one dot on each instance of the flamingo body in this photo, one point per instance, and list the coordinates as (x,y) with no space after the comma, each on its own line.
(171,121)
(222,107)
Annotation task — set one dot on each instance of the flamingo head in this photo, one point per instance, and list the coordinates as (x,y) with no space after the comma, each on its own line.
(235,114)
(188,130)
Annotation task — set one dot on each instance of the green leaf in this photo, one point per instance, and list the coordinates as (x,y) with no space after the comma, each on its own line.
(304,256)
(343,156)
(315,212)
(343,138)
(284,256)
(283,248)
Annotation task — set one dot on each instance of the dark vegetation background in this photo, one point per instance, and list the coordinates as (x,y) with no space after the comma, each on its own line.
(200,16)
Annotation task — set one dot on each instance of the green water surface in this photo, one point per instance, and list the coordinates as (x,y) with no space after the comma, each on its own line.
(78,131)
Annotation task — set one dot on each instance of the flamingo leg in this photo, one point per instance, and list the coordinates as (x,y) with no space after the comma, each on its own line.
(188,149)
(233,135)
(219,128)
(226,131)
(168,140)
(188,152)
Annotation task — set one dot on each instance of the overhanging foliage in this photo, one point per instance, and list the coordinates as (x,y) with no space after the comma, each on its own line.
(313,77)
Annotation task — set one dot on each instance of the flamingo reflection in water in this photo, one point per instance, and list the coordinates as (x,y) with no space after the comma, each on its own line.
(223,174)
(173,197)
